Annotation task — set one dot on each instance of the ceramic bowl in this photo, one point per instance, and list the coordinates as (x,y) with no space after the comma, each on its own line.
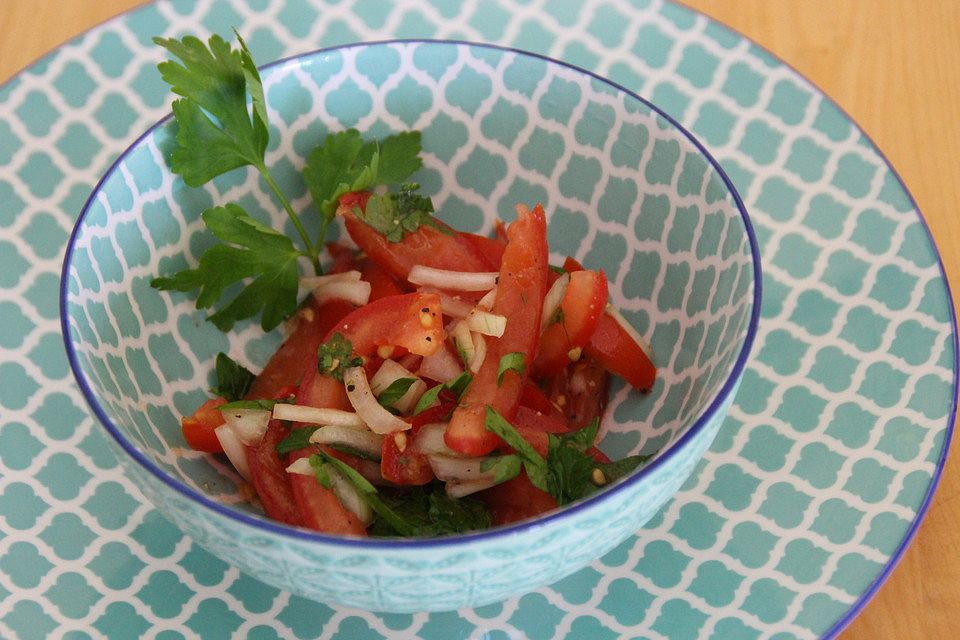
(625,188)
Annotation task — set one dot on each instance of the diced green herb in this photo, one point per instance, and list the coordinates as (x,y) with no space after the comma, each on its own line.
(430,512)
(567,473)
(458,386)
(397,214)
(336,356)
(297,439)
(233,379)
(504,467)
(557,269)
(396,390)
(511,362)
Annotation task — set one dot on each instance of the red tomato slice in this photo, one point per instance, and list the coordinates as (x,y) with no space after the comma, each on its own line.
(516,500)
(580,391)
(520,290)
(490,248)
(319,507)
(617,352)
(382,283)
(441,248)
(344,257)
(198,429)
(534,398)
(298,353)
(407,466)
(583,303)
(269,476)
(413,321)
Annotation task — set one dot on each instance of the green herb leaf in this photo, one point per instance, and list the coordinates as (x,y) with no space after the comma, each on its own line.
(430,512)
(233,379)
(557,269)
(336,356)
(459,384)
(389,396)
(399,157)
(263,405)
(582,439)
(511,362)
(342,163)
(613,471)
(428,399)
(215,131)
(397,214)
(504,467)
(250,250)
(297,439)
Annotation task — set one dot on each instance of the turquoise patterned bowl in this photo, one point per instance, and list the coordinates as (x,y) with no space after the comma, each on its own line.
(626,189)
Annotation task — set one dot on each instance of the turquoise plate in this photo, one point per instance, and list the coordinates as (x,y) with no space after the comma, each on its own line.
(814,486)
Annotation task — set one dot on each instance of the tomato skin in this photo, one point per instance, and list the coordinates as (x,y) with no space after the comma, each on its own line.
(520,290)
(407,467)
(516,499)
(198,429)
(617,352)
(441,249)
(534,398)
(582,305)
(382,282)
(319,507)
(394,321)
(490,248)
(269,476)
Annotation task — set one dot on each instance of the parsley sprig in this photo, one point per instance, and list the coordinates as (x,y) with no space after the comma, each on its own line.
(222,124)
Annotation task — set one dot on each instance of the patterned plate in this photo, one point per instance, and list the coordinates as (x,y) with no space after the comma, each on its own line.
(809,494)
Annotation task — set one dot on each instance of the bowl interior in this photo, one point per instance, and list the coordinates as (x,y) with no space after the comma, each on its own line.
(624,189)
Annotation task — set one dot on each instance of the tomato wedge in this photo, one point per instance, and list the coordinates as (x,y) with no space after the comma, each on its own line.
(516,500)
(319,507)
(382,283)
(413,321)
(520,290)
(490,248)
(617,352)
(441,248)
(298,353)
(198,429)
(580,391)
(269,476)
(583,303)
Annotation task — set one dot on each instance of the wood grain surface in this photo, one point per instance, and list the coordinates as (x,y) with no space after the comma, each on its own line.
(894,66)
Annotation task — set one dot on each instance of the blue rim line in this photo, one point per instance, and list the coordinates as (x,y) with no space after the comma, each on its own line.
(380,543)
(896,556)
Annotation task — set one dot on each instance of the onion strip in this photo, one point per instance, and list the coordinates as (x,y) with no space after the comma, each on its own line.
(551,301)
(314,415)
(455,280)
(234,449)
(365,404)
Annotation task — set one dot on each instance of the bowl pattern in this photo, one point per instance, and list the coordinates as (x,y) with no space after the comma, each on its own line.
(625,191)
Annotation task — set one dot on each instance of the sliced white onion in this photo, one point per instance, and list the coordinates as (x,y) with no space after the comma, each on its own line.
(302,467)
(353,291)
(489,324)
(442,365)
(452,306)
(391,371)
(312,282)
(461,489)
(455,280)
(479,352)
(349,497)
(429,441)
(454,469)
(486,302)
(234,449)
(551,301)
(359,439)
(314,415)
(365,403)
(463,341)
(248,424)
(623,322)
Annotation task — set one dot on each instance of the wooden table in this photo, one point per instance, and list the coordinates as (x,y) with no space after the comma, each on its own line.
(894,65)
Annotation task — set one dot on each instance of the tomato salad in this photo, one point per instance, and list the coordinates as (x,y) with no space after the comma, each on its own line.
(448,363)
(433,381)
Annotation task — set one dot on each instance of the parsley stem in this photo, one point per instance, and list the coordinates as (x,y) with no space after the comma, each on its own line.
(311,249)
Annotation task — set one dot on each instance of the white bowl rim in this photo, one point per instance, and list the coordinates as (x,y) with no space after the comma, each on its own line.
(305,535)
